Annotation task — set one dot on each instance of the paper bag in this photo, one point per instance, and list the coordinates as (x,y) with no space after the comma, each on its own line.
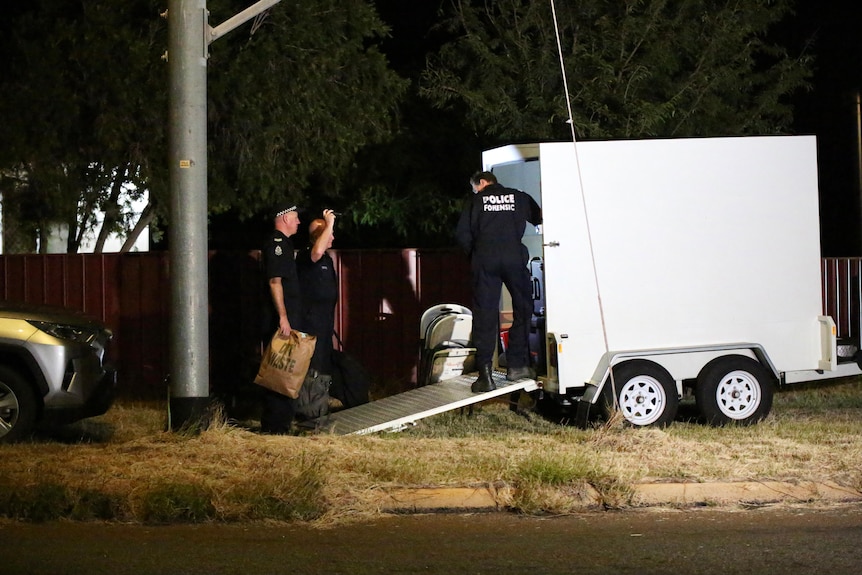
(285,363)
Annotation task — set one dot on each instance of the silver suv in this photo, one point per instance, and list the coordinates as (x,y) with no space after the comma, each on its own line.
(52,368)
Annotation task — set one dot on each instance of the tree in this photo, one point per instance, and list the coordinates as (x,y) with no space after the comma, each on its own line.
(292,102)
(85,107)
(410,190)
(635,68)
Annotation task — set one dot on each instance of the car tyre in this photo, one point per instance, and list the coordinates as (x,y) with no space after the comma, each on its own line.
(18,406)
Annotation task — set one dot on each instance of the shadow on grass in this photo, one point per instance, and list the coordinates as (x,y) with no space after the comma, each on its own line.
(85,431)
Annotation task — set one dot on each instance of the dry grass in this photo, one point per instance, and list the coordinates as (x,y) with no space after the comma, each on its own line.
(124,466)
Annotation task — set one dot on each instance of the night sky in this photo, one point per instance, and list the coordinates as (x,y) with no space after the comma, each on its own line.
(828,111)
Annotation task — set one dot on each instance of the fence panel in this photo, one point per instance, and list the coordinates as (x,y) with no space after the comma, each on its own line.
(378,302)
(842,295)
(236,292)
(382,295)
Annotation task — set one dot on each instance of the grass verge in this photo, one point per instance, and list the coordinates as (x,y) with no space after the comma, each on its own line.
(123,466)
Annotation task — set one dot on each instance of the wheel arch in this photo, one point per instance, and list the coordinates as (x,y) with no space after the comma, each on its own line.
(23,363)
(664,355)
(643,391)
(635,361)
(595,387)
(767,365)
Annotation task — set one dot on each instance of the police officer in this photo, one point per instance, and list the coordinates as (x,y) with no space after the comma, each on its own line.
(490,230)
(318,284)
(282,286)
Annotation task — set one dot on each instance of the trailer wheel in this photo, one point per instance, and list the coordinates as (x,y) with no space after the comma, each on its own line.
(646,394)
(734,389)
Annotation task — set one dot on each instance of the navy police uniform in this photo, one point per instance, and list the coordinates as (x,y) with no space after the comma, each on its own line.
(490,230)
(278,261)
(319,287)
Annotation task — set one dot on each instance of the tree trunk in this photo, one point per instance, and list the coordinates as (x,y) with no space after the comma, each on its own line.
(146,218)
(43,240)
(112,210)
(19,237)
(76,232)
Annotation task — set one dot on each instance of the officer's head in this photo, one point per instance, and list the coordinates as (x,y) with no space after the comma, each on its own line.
(286,218)
(316,229)
(479,180)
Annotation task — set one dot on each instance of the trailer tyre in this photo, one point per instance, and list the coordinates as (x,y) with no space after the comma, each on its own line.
(646,394)
(734,389)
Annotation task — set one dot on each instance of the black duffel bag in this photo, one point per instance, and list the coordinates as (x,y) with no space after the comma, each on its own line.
(350,381)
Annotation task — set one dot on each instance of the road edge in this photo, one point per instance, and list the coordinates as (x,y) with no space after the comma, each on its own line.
(674,495)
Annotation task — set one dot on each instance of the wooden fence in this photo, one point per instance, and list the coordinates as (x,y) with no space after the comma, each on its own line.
(382,295)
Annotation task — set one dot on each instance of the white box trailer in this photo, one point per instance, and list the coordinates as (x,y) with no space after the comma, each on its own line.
(668,266)
(677,264)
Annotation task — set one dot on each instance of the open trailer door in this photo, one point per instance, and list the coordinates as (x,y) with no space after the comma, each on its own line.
(677,242)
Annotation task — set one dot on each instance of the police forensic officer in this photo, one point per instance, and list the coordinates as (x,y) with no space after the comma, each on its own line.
(490,230)
(318,284)
(282,286)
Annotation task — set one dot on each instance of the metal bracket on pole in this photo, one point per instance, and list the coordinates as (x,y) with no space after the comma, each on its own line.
(239,19)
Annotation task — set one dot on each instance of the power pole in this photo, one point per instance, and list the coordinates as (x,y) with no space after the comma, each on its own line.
(859,158)
(189,37)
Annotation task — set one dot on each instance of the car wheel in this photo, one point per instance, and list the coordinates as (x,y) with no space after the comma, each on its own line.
(646,394)
(734,389)
(18,406)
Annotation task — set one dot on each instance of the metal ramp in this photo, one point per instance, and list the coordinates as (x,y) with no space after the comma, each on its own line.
(398,411)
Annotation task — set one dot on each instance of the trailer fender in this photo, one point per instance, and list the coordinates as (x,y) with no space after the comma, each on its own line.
(642,391)
(601,376)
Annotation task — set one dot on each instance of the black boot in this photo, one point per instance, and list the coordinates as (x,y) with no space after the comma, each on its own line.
(516,373)
(484,382)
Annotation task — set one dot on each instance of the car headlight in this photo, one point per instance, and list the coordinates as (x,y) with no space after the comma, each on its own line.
(64,331)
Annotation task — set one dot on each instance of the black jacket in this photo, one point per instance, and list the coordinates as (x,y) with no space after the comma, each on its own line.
(495,219)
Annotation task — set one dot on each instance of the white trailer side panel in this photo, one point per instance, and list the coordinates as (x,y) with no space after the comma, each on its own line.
(696,242)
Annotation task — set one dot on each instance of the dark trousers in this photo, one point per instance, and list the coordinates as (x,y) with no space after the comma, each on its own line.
(277,413)
(490,272)
(277,410)
(319,321)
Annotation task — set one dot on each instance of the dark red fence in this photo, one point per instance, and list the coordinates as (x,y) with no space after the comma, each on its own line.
(382,296)
(842,293)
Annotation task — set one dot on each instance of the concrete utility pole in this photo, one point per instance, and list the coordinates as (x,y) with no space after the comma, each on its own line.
(187,125)
(189,36)
(859,157)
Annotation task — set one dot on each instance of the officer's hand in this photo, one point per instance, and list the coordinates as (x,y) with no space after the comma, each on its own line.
(284,327)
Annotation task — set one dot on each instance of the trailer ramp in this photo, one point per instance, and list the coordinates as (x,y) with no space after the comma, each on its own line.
(404,409)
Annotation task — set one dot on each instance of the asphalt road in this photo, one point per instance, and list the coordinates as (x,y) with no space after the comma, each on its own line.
(809,540)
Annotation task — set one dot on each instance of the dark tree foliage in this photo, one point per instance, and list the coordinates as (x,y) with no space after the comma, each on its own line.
(635,68)
(293,98)
(303,104)
(82,112)
(85,108)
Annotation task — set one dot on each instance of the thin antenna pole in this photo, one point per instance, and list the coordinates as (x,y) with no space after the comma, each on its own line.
(583,196)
